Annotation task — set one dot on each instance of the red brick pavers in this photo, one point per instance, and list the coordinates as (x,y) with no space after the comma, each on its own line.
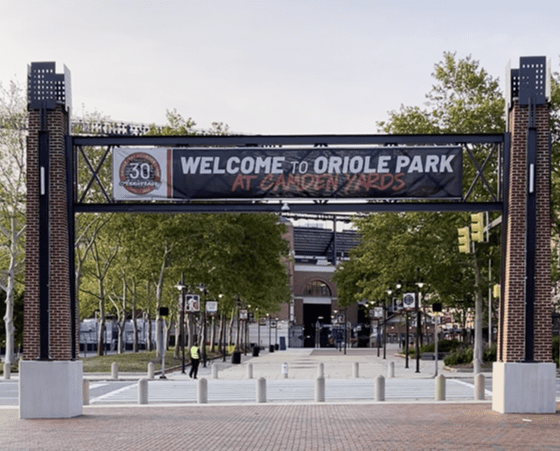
(441,426)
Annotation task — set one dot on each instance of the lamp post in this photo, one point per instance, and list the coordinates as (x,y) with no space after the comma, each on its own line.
(181,287)
(389,292)
(399,286)
(276,334)
(418,325)
(204,291)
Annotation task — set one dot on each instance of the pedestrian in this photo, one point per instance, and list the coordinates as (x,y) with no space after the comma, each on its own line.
(195,360)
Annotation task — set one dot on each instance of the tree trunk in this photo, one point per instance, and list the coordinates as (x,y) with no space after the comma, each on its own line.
(134,323)
(9,314)
(100,336)
(149,345)
(178,337)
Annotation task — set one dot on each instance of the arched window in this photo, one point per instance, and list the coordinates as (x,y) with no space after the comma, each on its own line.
(317,288)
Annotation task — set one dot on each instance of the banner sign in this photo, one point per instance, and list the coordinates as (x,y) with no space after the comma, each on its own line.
(258,173)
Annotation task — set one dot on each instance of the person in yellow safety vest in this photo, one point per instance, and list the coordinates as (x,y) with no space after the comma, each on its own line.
(195,360)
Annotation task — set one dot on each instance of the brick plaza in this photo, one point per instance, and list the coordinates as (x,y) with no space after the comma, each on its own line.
(310,426)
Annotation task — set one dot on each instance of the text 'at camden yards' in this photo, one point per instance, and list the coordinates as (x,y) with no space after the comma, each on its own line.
(326,183)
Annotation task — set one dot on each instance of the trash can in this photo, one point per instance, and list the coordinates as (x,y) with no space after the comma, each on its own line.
(271,348)
(256,350)
(236,357)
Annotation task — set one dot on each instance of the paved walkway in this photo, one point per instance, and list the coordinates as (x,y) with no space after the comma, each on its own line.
(306,426)
(272,427)
(302,364)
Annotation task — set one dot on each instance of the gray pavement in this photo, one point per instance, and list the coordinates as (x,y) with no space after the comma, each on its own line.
(290,419)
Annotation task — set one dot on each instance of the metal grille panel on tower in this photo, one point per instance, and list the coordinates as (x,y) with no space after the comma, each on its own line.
(46,88)
(532,80)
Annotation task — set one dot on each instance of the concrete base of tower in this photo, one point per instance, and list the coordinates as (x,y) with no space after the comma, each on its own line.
(50,389)
(524,387)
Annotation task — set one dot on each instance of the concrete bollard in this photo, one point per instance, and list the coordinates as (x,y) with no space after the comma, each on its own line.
(479,387)
(320,389)
(151,372)
(143,391)
(391,370)
(285,370)
(7,371)
(85,392)
(249,371)
(215,369)
(321,370)
(356,370)
(114,371)
(261,389)
(202,391)
(440,388)
(380,388)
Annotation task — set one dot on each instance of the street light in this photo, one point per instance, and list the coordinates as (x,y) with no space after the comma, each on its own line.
(399,286)
(202,288)
(181,287)
(385,307)
(418,325)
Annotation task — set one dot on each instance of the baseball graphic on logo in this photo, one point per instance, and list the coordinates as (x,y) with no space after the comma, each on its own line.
(140,173)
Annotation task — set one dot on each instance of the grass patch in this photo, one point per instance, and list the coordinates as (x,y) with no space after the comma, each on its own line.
(129,362)
(133,362)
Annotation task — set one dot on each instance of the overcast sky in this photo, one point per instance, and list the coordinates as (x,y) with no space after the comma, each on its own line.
(267,67)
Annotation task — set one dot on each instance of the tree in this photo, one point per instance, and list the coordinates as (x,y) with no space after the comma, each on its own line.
(13,131)
(464,99)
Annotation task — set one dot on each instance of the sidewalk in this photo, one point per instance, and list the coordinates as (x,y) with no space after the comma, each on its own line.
(302,363)
(359,425)
(305,427)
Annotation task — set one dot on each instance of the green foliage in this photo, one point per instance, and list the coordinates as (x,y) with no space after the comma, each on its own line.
(463,354)
(408,247)
(443,346)
(459,356)
(232,255)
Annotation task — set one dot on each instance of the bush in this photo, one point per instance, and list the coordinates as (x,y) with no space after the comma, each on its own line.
(464,354)
(459,356)
(443,346)
(489,353)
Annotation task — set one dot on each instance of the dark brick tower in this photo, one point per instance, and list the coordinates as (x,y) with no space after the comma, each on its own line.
(50,380)
(522,376)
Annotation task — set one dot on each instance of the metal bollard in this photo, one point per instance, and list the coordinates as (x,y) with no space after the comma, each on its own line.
(261,389)
(380,388)
(215,369)
(7,370)
(391,370)
(249,371)
(479,387)
(85,392)
(321,370)
(114,371)
(143,391)
(151,372)
(202,391)
(320,389)
(285,370)
(356,370)
(440,388)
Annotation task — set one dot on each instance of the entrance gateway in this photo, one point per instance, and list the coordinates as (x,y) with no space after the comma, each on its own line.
(510,173)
